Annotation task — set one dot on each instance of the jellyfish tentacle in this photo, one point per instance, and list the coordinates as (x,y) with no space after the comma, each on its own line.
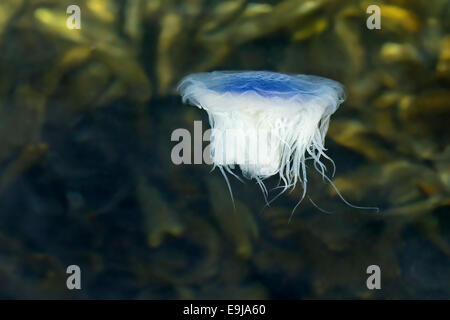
(228,184)
(376,209)
(319,208)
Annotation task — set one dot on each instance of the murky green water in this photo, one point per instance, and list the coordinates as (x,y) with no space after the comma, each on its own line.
(87,179)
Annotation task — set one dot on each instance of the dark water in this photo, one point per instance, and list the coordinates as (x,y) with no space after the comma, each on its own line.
(87,179)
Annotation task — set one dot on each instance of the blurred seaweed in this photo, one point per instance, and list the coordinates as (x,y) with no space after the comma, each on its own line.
(86,176)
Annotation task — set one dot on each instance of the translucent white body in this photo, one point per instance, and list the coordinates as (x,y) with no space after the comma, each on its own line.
(267,123)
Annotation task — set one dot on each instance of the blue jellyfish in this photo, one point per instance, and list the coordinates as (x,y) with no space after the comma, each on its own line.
(266,123)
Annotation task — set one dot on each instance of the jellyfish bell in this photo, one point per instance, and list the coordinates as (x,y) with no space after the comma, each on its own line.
(281,116)
(266,123)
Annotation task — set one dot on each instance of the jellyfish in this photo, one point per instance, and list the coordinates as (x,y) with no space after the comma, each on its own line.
(267,123)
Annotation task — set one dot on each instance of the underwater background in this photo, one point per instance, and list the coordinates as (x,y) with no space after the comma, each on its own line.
(86,176)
